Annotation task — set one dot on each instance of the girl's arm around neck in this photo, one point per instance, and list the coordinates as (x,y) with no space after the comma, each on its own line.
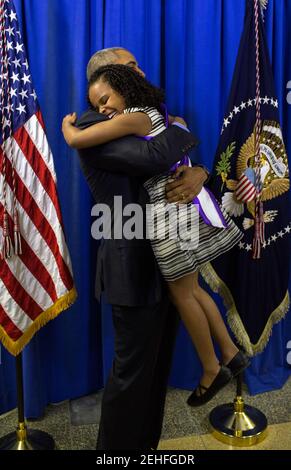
(119,126)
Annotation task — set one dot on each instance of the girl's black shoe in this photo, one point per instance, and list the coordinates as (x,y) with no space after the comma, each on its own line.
(198,397)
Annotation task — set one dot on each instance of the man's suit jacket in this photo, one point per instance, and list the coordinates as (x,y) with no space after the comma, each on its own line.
(126,269)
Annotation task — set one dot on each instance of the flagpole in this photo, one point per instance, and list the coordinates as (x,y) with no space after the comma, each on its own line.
(24,439)
(237,424)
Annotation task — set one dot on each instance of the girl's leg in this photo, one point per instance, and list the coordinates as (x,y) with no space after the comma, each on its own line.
(193,316)
(215,321)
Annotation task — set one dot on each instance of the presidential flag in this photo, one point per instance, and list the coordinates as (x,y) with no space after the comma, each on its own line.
(251,179)
(36,281)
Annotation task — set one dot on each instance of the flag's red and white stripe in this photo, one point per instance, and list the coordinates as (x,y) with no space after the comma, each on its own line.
(38,284)
(245,190)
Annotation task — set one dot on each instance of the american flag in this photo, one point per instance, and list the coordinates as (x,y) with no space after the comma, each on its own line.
(36,280)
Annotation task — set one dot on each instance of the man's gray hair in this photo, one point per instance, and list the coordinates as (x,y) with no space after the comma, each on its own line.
(102,57)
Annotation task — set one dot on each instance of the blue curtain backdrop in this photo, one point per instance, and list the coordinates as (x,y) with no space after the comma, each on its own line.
(188,47)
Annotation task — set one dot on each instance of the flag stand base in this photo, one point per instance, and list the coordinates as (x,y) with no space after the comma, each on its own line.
(237,424)
(24,439)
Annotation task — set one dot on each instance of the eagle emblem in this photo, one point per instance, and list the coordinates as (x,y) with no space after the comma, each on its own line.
(274,173)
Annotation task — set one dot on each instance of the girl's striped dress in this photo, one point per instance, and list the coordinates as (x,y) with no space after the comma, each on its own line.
(175,256)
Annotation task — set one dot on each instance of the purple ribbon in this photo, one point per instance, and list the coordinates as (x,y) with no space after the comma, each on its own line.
(186,161)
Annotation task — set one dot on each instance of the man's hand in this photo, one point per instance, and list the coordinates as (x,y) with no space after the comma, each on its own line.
(186,183)
(172,119)
(180,120)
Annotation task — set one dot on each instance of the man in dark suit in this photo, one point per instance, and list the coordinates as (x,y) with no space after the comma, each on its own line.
(145,322)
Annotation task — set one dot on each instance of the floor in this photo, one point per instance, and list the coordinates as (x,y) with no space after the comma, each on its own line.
(74,424)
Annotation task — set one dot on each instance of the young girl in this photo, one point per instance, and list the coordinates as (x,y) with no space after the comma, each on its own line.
(134,106)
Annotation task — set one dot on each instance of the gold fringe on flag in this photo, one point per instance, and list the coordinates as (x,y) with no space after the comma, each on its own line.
(264,3)
(15,347)
(233,318)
